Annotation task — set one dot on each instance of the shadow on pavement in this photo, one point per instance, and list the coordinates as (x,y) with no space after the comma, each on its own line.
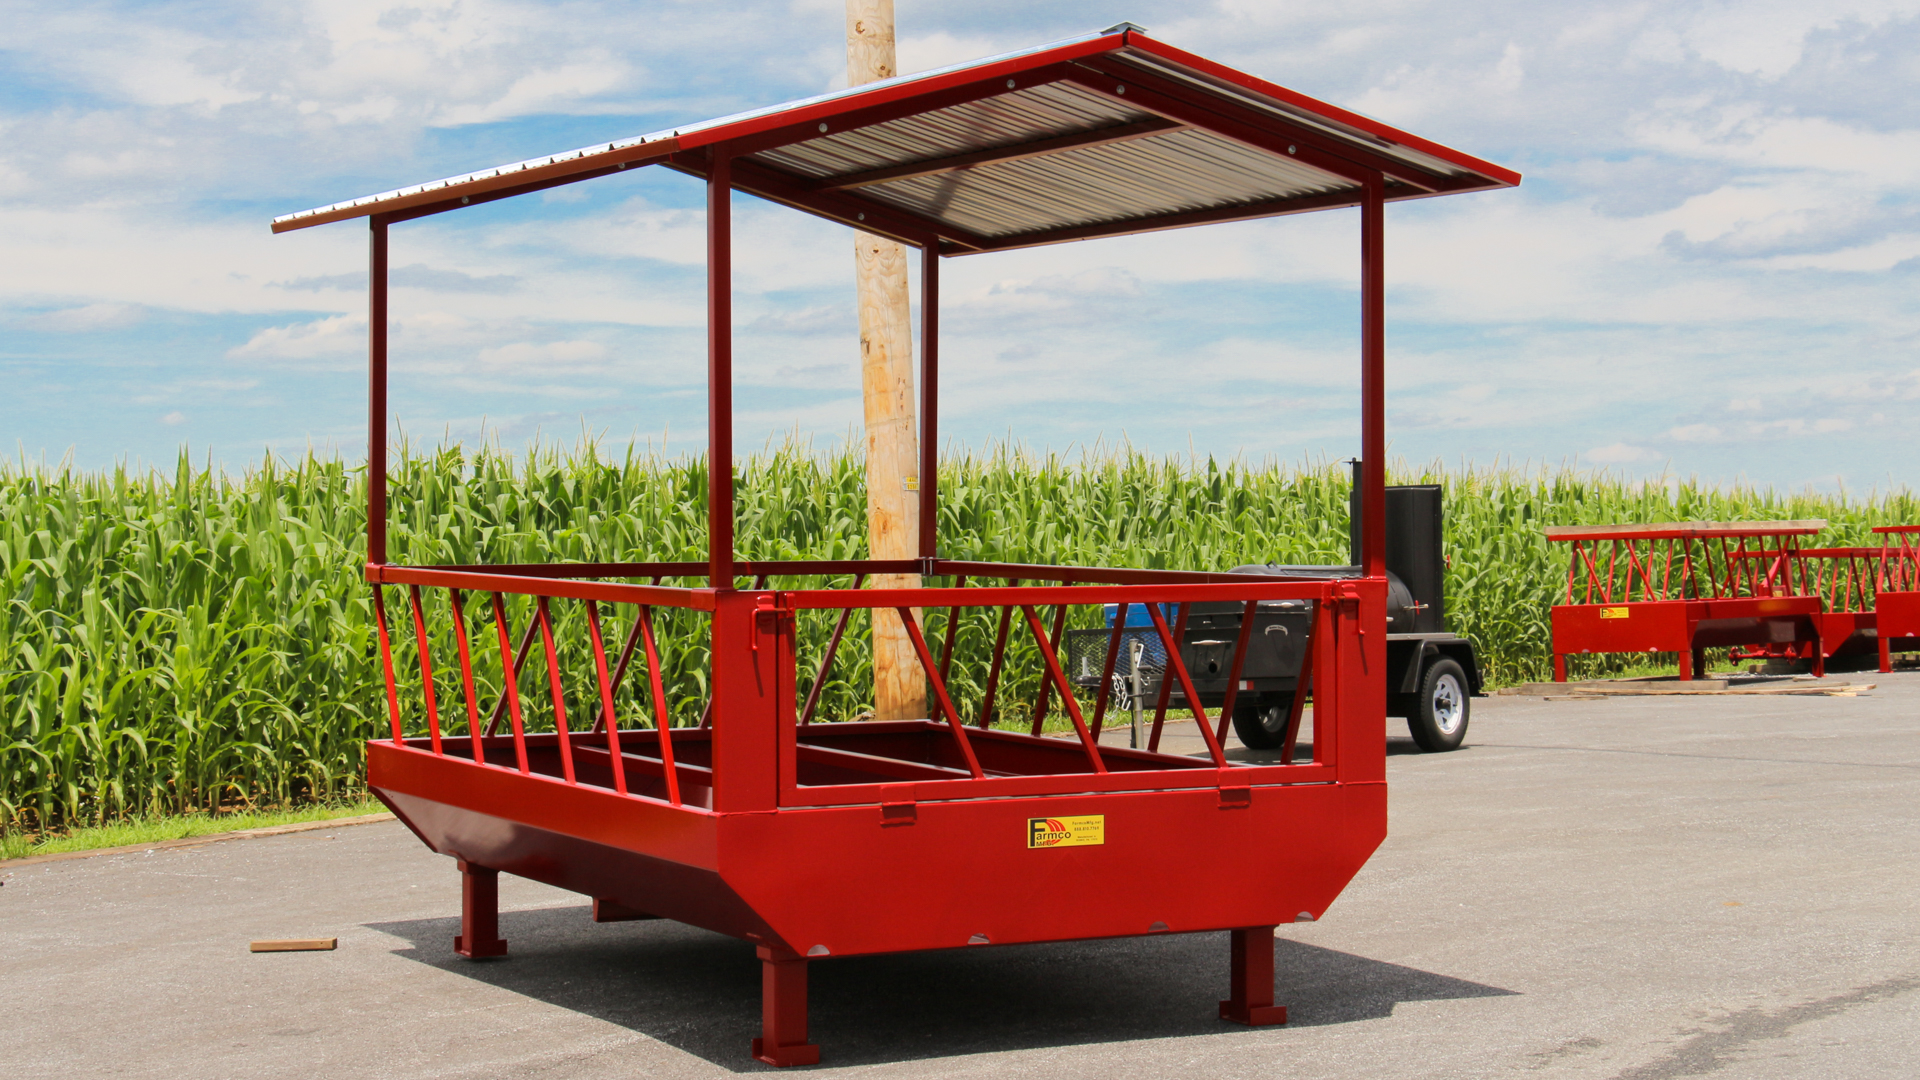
(700,992)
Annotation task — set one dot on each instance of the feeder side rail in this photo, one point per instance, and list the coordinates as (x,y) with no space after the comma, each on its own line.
(654,749)
(1624,564)
(1899,558)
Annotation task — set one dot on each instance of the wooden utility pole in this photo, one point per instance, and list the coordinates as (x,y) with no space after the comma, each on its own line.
(886,366)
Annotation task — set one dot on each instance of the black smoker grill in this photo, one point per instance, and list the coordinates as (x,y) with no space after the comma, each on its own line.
(1430,673)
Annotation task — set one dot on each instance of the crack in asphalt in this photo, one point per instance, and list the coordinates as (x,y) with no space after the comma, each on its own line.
(1708,1051)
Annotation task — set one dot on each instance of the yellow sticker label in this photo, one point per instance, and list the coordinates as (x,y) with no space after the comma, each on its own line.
(1066,831)
(1615,612)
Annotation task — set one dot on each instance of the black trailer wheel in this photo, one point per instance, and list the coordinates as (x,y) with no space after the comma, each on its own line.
(1438,719)
(1262,724)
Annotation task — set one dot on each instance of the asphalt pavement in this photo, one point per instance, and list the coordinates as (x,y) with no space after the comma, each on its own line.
(1634,889)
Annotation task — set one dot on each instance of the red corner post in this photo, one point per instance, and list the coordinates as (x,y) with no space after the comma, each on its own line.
(1252,979)
(720,370)
(1373,377)
(479,913)
(930,401)
(377,392)
(783,1010)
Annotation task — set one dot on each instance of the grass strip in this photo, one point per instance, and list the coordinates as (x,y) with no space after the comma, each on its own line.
(159,829)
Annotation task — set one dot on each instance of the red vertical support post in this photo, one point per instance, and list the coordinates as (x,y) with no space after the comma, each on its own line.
(1373,377)
(1302,684)
(377,444)
(783,1010)
(479,913)
(720,371)
(1252,979)
(377,393)
(746,703)
(930,403)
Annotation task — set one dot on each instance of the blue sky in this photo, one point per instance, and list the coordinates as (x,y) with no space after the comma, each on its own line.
(1710,268)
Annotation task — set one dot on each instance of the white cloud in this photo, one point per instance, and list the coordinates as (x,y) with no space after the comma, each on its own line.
(551,358)
(331,336)
(79,320)
(1621,453)
(1695,433)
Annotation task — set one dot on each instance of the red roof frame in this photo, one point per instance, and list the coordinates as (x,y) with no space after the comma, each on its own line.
(1165,90)
(1132,135)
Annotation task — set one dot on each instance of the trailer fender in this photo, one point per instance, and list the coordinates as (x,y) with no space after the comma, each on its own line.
(1461,652)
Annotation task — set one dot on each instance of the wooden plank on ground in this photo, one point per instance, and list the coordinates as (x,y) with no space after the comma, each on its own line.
(319,944)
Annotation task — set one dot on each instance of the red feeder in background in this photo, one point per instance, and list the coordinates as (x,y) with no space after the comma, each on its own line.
(816,840)
(1687,586)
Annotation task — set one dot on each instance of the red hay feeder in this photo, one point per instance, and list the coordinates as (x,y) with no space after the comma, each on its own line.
(1684,587)
(812,839)
(1687,586)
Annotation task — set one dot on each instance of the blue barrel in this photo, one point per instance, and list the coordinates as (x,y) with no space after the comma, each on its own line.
(1137,614)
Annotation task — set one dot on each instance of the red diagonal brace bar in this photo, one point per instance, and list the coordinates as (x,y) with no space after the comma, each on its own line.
(510,683)
(545,619)
(466,676)
(1179,668)
(1059,677)
(940,691)
(607,718)
(426,667)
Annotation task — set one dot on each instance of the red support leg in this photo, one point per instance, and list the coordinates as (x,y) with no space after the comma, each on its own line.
(1699,663)
(1559,667)
(1252,980)
(1686,665)
(783,1010)
(1886,654)
(479,913)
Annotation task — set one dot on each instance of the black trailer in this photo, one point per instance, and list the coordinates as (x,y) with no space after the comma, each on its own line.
(1431,674)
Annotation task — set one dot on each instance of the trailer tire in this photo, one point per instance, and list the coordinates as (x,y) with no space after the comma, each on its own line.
(1438,719)
(1262,725)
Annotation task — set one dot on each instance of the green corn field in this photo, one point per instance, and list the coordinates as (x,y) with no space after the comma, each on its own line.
(198,640)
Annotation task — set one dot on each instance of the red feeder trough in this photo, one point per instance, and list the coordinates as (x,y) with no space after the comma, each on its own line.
(823,840)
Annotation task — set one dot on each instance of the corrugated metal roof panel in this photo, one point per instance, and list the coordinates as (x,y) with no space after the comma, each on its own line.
(1015,117)
(1171,173)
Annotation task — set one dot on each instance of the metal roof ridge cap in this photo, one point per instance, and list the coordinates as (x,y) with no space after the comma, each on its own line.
(1377,128)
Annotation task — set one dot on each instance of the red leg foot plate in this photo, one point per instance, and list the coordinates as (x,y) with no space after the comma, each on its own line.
(482,950)
(801,1054)
(1253,1016)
